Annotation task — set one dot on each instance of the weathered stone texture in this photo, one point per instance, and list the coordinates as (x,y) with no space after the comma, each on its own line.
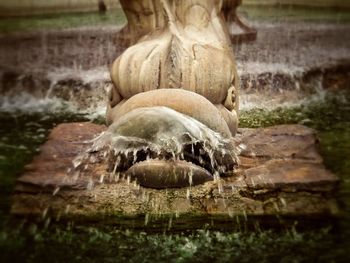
(281,173)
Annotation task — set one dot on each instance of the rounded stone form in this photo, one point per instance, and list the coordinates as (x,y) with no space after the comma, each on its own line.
(162,174)
(230,117)
(164,62)
(183,101)
(181,44)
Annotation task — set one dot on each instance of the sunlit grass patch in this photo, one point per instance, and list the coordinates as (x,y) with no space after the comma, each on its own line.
(56,21)
(292,13)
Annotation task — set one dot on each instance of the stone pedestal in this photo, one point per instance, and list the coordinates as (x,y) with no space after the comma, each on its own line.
(281,173)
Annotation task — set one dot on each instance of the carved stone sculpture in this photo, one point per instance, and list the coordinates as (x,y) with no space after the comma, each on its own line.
(172,115)
(182,59)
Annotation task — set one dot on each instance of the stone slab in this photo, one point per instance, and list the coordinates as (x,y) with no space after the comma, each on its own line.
(281,173)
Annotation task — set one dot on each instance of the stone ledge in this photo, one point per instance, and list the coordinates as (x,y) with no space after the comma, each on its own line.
(281,173)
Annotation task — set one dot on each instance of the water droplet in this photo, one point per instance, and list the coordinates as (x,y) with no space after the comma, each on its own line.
(188,193)
(44,213)
(283,201)
(47,223)
(77,161)
(190,177)
(102,178)
(146,219)
(76,176)
(128,179)
(55,191)
(66,211)
(170,223)
(90,184)
(116,177)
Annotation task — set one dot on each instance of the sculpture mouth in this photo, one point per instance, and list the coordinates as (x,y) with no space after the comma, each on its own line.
(160,174)
(162,148)
(194,153)
(163,169)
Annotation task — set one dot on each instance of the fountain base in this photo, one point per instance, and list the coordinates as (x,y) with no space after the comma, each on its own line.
(281,173)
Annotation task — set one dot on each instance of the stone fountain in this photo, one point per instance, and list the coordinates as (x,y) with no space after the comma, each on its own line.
(172,145)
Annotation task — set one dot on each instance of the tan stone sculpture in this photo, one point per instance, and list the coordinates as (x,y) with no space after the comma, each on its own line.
(172,116)
(182,59)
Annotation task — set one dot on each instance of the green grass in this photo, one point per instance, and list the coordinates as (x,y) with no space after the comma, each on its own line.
(321,114)
(44,22)
(43,242)
(16,8)
(20,138)
(331,119)
(116,17)
(314,3)
(77,244)
(295,13)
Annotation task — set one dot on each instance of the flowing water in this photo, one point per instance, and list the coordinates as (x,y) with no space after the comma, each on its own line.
(25,126)
(149,135)
(23,132)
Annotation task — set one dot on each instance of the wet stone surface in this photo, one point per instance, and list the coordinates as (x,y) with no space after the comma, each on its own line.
(281,173)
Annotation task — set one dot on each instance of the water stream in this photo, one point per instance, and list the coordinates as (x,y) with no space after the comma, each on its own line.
(147,137)
(23,132)
(26,123)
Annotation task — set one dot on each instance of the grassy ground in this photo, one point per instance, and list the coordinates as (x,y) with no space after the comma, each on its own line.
(20,138)
(86,244)
(21,134)
(44,22)
(36,7)
(273,13)
(44,242)
(316,3)
(117,17)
